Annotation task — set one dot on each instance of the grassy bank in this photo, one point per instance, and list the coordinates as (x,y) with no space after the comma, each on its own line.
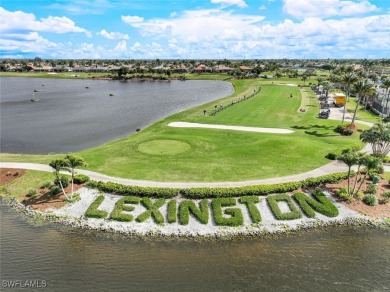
(217,155)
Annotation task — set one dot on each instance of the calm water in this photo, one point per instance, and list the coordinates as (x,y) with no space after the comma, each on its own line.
(70,117)
(341,259)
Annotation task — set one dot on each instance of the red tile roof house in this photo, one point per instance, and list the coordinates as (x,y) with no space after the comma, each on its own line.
(245,68)
(202,68)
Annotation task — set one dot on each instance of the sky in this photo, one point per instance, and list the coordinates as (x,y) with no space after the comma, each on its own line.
(195,29)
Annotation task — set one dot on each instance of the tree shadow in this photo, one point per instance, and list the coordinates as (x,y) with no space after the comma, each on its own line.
(323,127)
(315,133)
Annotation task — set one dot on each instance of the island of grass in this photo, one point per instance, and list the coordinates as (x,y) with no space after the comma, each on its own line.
(210,155)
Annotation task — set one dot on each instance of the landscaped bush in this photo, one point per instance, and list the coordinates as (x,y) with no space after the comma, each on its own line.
(331,156)
(123,205)
(93,212)
(342,193)
(172,211)
(250,202)
(371,189)
(151,210)
(125,190)
(262,190)
(80,179)
(201,213)
(46,185)
(273,202)
(339,129)
(55,190)
(64,180)
(370,200)
(235,214)
(32,193)
(320,203)
(201,193)
(386,195)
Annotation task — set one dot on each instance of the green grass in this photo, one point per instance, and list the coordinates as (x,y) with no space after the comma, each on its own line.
(21,185)
(365,115)
(218,155)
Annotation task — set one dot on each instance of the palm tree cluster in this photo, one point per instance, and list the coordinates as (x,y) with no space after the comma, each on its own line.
(69,164)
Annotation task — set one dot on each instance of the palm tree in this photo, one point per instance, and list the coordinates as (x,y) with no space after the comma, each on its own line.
(348,79)
(73,162)
(371,163)
(304,78)
(350,158)
(58,165)
(360,88)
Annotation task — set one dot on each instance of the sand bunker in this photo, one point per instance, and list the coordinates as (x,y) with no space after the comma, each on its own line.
(234,128)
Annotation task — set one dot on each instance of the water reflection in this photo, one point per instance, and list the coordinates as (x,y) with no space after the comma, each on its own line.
(328,259)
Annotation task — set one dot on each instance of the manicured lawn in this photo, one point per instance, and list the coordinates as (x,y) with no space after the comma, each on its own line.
(221,155)
(365,115)
(21,185)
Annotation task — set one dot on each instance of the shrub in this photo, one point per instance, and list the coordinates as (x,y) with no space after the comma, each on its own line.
(342,193)
(371,189)
(250,202)
(201,213)
(46,185)
(126,190)
(235,219)
(201,193)
(93,212)
(151,210)
(370,200)
(273,202)
(31,193)
(80,179)
(55,190)
(172,211)
(339,129)
(347,132)
(320,203)
(64,180)
(386,195)
(122,205)
(331,156)
(386,159)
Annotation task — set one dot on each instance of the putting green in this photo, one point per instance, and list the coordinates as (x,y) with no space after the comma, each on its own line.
(164,147)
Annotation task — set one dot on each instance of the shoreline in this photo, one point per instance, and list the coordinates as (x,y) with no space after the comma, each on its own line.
(69,215)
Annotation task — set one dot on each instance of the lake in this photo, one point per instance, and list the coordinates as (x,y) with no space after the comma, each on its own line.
(72,115)
(70,259)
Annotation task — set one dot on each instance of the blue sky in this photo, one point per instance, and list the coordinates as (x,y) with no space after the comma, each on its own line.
(195,29)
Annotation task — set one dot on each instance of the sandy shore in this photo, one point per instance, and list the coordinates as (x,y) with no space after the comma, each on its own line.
(73,214)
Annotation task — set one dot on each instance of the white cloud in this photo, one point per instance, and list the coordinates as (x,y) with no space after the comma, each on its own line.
(113,35)
(262,7)
(327,8)
(84,6)
(121,46)
(239,3)
(26,43)
(21,21)
(132,19)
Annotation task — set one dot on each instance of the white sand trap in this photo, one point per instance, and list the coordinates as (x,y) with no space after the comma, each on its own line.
(288,84)
(234,128)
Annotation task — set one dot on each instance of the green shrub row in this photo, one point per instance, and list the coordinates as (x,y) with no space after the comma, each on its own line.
(200,213)
(201,193)
(273,202)
(172,211)
(262,190)
(234,218)
(93,212)
(320,203)
(80,179)
(125,190)
(121,205)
